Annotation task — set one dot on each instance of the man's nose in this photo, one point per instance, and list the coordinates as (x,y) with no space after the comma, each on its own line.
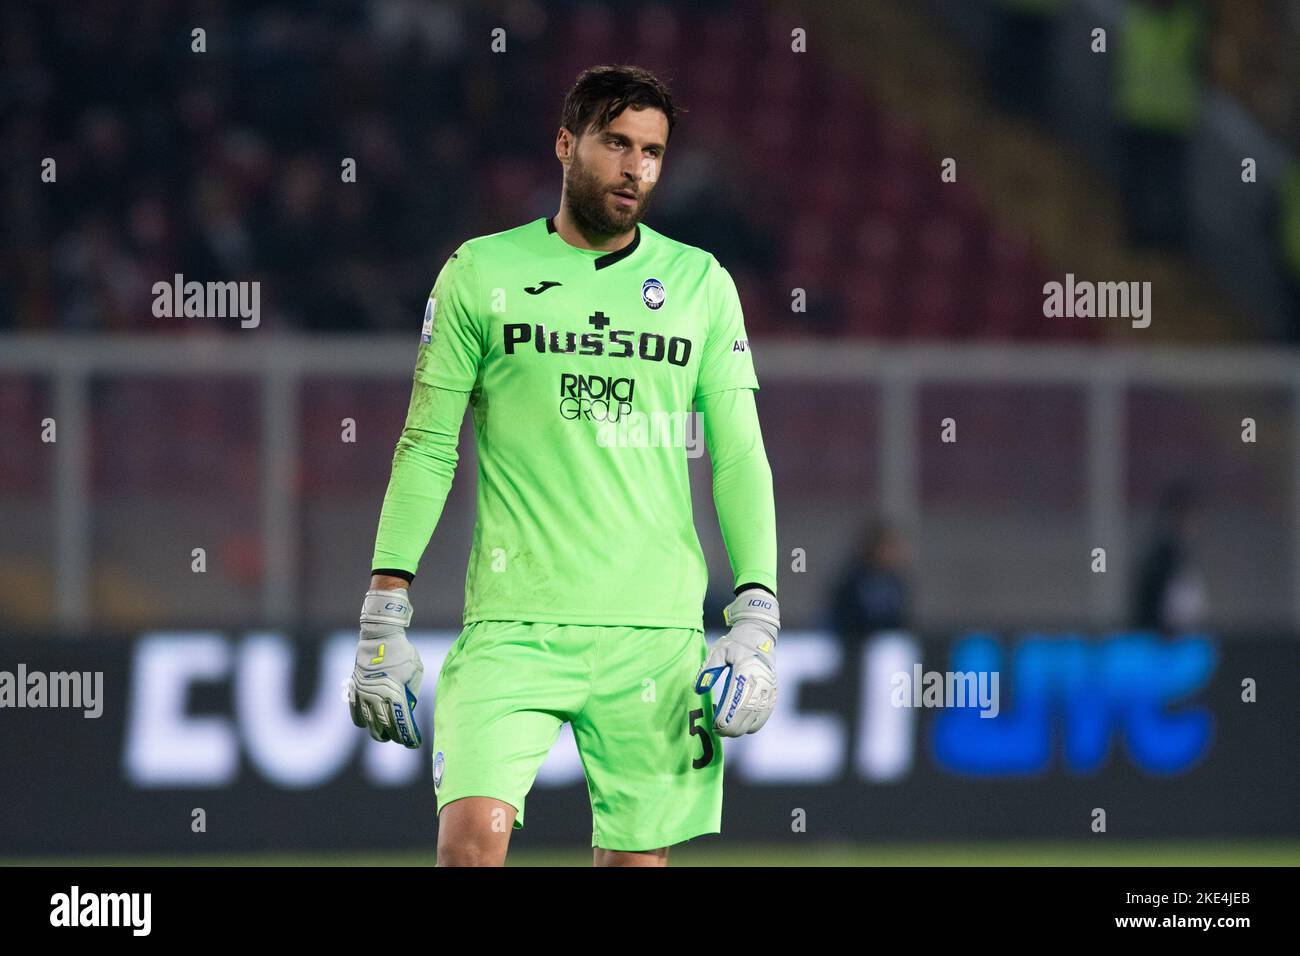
(631,167)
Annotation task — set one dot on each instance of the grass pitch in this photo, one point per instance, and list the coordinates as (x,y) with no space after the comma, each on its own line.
(1104,852)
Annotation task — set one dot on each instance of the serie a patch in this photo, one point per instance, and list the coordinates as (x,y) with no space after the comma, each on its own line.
(426,330)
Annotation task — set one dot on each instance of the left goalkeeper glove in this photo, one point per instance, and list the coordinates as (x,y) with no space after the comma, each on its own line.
(749,693)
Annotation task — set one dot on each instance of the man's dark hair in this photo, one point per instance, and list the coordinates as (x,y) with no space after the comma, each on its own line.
(601,93)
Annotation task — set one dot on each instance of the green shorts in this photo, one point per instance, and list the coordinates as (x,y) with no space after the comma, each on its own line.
(652,760)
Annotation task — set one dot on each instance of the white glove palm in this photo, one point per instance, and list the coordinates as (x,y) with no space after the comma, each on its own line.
(387,675)
(748,649)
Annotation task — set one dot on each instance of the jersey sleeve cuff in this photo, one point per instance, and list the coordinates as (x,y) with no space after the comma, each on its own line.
(763,581)
(406,576)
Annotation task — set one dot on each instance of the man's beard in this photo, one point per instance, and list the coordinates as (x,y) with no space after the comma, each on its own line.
(588,201)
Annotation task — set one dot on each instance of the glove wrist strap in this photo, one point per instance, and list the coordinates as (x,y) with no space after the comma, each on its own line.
(386,607)
(756,605)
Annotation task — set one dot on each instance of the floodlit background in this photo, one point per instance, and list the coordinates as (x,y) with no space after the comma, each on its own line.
(1101,508)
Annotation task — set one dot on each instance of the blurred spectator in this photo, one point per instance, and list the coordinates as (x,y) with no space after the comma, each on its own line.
(1019,66)
(872,593)
(1287,218)
(228,164)
(1158,100)
(1170,588)
(1253,58)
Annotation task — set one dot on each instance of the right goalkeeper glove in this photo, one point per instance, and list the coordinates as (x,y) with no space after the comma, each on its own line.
(387,675)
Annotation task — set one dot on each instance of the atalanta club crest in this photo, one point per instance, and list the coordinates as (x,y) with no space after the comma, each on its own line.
(652,294)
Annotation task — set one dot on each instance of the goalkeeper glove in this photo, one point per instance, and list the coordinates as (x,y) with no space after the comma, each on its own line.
(381,693)
(749,692)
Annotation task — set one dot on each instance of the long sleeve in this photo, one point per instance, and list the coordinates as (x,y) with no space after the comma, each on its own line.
(446,370)
(423,466)
(742,484)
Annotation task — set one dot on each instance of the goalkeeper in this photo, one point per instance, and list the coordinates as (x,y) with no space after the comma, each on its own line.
(573,339)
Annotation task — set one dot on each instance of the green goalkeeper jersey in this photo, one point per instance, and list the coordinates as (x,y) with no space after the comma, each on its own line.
(582,368)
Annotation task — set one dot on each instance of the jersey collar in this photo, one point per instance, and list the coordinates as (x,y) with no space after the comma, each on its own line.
(609,258)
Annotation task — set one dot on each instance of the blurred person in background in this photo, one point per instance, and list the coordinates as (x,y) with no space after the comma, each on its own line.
(1287,236)
(1170,589)
(872,593)
(1161,45)
(1019,66)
